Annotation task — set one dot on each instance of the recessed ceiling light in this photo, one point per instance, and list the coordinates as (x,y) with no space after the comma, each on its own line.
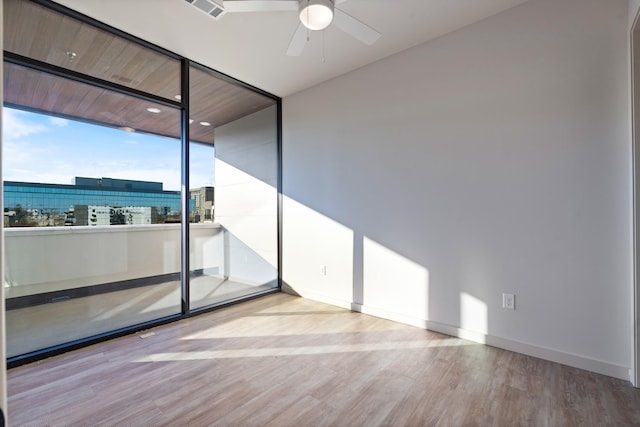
(154,110)
(205,123)
(178,97)
(190,121)
(127,129)
(71,55)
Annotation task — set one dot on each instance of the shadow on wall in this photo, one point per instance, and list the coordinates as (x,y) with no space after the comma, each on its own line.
(344,263)
(330,262)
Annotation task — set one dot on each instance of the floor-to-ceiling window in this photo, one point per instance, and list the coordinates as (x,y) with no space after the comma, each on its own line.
(233,181)
(89,246)
(96,184)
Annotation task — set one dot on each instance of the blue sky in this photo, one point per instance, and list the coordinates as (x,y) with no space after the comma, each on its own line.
(40,148)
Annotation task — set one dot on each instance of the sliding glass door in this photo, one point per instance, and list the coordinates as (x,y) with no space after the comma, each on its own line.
(94,183)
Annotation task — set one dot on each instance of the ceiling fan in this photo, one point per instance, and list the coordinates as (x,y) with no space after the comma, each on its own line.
(314,15)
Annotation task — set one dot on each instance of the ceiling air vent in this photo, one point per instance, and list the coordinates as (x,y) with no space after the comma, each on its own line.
(209,7)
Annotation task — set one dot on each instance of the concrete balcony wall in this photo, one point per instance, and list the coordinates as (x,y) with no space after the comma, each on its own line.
(48,259)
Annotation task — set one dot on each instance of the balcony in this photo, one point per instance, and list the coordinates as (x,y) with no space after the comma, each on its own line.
(68,283)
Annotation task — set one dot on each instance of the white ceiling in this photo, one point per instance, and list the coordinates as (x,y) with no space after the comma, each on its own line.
(251,46)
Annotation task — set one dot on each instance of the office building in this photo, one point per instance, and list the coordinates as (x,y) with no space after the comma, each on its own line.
(203,209)
(53,204)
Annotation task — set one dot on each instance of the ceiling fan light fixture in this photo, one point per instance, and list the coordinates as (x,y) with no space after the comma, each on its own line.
(316,14)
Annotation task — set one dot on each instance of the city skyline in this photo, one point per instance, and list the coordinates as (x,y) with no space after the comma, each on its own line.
(47,149)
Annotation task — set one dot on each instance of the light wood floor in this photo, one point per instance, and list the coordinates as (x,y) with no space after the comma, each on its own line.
(286,361)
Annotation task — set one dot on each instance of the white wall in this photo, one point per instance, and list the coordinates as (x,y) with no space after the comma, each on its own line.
(494,159)
(246,199)
(634,69)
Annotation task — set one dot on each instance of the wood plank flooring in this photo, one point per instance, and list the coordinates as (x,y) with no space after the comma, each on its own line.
(286,361)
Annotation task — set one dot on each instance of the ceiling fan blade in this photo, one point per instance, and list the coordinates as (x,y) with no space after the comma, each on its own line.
(260,5)
(355,28)
(298,41)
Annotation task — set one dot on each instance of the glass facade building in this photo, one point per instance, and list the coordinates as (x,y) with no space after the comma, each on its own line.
(56,200)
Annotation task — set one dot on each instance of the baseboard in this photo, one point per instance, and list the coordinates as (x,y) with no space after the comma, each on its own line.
(315,296)
(390,315)
(569,359)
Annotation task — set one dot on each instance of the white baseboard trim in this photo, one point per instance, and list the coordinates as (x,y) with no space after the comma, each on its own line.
(389,315)
(545,353)
(315,296)
(569,359)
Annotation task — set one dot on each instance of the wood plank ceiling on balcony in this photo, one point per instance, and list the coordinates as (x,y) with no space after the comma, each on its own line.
(36,32)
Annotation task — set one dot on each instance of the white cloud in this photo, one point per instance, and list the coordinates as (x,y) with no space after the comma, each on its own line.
(15,125)
(15,152)
(21,162)
(57,121)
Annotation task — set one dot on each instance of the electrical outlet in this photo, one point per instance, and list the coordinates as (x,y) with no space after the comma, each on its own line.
(509,301)
(323,270)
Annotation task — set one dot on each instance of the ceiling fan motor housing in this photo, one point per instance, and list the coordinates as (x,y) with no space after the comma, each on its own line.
(316,14)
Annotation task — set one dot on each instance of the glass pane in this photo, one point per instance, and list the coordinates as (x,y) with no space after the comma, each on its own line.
(40,33)
(233,192)
(92,210)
